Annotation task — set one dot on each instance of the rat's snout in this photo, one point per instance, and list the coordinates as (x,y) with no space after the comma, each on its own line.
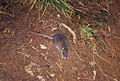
(65,53)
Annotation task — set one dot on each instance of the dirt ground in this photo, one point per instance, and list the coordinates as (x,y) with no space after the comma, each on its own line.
(28,57)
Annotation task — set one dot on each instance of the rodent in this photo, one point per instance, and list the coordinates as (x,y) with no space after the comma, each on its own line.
(60,41)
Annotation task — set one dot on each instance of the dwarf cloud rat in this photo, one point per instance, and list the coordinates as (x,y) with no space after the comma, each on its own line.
(60,41)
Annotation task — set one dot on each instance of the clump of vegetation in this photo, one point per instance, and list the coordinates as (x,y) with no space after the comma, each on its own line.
(57,5)
(2,8)
(60,6)
(5,7)
(87,32)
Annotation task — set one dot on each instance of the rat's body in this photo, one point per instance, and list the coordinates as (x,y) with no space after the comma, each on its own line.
(60,41)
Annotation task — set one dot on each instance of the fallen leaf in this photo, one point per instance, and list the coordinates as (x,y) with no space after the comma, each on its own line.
(43,46)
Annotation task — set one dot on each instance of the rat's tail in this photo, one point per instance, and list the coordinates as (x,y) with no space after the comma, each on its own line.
(38,33)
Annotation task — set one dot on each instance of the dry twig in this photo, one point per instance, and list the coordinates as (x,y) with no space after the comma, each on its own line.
(2,12)
(71,31)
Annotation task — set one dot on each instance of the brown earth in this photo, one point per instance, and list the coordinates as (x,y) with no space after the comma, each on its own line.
(23,59)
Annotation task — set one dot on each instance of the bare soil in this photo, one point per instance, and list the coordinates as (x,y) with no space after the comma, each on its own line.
(23,59)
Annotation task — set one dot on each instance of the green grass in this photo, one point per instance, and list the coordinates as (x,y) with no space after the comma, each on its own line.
(60,6)
(57,5)
(2,8)
(87,32)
